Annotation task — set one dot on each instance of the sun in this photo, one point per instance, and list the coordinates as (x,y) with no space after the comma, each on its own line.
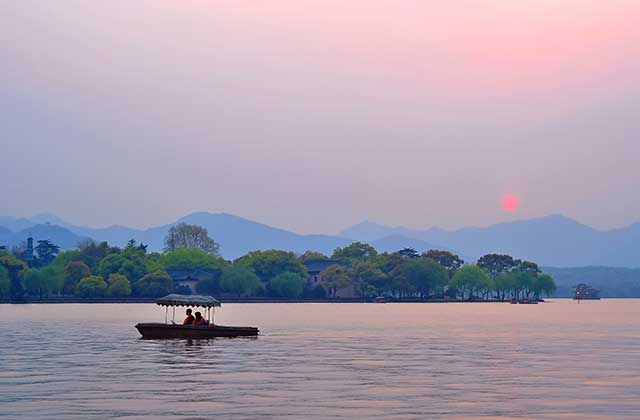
(510,202)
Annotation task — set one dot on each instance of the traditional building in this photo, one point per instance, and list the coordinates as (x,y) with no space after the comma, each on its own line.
(316,267)
(190,278)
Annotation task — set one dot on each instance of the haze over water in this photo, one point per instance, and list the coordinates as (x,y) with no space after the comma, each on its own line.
(559,360)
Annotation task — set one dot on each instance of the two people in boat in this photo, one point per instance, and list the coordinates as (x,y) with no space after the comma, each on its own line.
(198,319)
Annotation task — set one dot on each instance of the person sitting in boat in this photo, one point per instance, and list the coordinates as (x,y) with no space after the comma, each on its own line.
(200,320)
(189,320)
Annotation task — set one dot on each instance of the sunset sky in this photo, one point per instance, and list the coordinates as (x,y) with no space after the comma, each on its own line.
(313,115)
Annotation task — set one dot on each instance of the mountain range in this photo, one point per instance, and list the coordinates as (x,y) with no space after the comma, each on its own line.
(553,240)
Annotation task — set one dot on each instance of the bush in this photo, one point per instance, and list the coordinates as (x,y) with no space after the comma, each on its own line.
(154,284)
(287,285)
(90,287)
(241,281)
(119,286)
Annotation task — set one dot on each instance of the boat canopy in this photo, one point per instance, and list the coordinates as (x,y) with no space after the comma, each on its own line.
(189,300)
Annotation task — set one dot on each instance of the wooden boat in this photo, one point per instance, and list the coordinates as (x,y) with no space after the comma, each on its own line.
(166,330)
(380,299)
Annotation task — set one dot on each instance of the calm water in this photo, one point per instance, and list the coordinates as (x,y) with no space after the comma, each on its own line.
(393,361)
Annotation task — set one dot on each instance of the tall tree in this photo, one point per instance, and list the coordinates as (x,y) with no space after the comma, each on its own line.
(240,280)
(287,285)
(470,279)
(408,253)
(184,235)
(270,263)
(423,275)
(335,277)
(73,272)
(448,260)
(355,251)
(46,252)
(495,264)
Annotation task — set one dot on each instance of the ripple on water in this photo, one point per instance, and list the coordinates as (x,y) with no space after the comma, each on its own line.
(396,361)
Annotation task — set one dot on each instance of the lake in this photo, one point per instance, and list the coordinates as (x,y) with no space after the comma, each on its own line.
(558,360)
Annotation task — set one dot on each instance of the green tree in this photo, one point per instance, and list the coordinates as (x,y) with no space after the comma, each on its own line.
(268,264)
(65,257)
(355,251)
(154,284)
(495,264)
(422,275)
(408,253)
(240,280)
(449,261)
(366,277)
(91,252)
(190,259)
(16,269)
(111,264)
(5,282)
(43,281)
(210,286)
(91,287)
(335,277)
(184,235)
(46,252)
(119,286)
(469,280)
(543,284)
(72,273)
(287,285)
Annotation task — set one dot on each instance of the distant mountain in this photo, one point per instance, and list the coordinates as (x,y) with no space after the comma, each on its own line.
(236,235)
(553,240)
(60,236)
(550,241)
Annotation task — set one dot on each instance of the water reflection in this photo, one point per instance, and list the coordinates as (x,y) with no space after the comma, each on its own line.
(461,361)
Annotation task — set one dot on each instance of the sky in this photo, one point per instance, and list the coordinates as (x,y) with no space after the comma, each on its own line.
(314,115)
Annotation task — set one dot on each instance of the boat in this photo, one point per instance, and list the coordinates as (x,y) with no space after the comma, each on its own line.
(514,301)
(168,330)
(527,301)
(380,299)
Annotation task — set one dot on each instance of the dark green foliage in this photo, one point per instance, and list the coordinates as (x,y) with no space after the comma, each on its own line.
(419,275)
(495,264)
(5,282)
(268,264)
(16,269)
(287,285)
(335,277)
(408,253)
(240,280)
(209,286)
(91,287)
(446,259)
(73,272)
(46,251)
(119,286)
(355,251)
(154,284)
(190,259)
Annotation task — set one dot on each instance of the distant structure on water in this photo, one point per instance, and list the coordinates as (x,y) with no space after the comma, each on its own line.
(586,292)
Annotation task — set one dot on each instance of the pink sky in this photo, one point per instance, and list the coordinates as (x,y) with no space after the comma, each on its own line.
(313,115)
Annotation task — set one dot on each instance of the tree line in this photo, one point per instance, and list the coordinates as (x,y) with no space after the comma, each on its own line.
(97,270)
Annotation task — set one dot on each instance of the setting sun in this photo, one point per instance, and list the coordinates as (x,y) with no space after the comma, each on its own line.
(510,202)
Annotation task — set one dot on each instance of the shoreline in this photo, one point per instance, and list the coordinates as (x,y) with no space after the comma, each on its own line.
(63,300)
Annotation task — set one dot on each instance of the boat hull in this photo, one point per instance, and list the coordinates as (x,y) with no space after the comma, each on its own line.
(168,331)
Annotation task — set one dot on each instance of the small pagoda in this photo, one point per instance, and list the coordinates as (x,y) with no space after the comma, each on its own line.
(586,292)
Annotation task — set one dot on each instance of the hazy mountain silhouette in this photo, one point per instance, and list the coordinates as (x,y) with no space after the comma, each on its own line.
(553,240)
(236,235)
